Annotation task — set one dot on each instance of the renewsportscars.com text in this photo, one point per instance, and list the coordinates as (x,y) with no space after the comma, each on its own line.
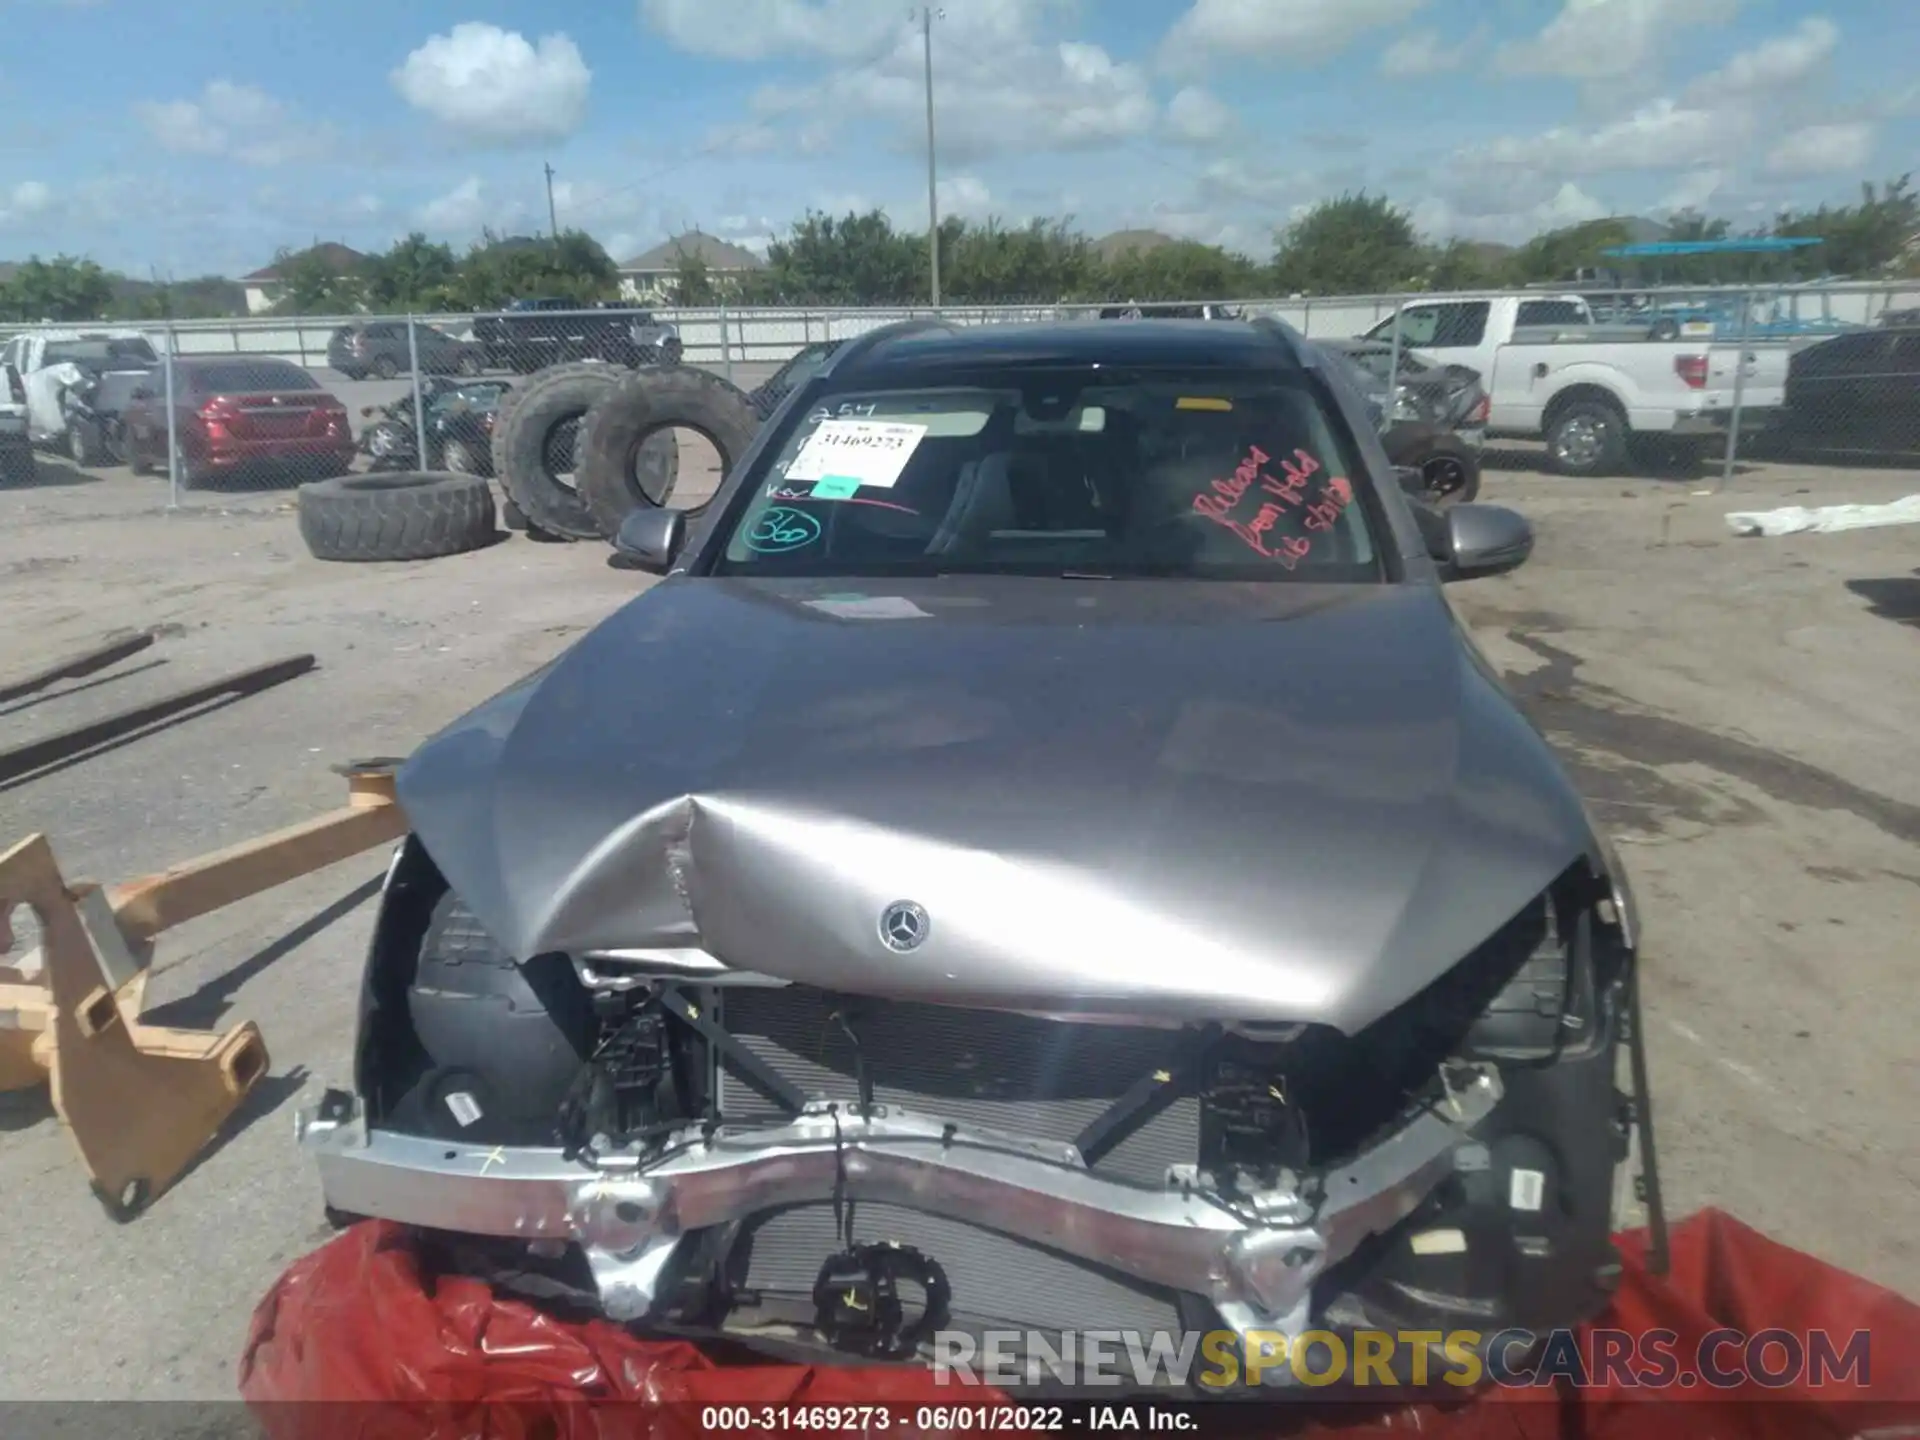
(1226,1359)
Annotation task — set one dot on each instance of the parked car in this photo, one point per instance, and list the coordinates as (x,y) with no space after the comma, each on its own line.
(767,397)
(1858,392)
(16,447)
(1048,846)
(1432,419)
(381,348)
(233,412)
(532,334)
(1594,393)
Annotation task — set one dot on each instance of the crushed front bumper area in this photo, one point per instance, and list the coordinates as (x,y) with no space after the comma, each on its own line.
(1254,1255)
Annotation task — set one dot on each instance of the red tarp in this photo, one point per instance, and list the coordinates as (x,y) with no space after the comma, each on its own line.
(413,1354)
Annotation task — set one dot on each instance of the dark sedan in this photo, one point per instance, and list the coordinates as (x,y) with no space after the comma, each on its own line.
(383,349)
(1047,846)
(1858,392)
(232,413)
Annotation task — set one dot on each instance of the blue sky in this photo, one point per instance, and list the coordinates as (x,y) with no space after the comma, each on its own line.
(201,135)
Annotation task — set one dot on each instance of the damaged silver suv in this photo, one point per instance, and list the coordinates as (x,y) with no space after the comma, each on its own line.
(1046,858)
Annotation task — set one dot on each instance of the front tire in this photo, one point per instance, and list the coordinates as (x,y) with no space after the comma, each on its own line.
(1449,472)
(1586,438)
(385,369)
(85,444)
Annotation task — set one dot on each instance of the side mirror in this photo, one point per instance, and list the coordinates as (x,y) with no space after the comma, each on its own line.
(651,537)
(1484,540)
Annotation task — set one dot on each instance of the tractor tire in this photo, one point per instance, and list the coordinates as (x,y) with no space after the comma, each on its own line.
(561,394)
(408,516)
(617,475)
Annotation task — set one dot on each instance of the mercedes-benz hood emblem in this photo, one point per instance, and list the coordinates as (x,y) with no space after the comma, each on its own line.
(904,926)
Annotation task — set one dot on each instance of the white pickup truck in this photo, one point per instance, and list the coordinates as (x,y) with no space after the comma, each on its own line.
(48,361)
(1594,392)
(16,450)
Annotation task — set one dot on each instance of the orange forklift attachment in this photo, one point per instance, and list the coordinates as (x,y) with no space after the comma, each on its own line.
(142,1101)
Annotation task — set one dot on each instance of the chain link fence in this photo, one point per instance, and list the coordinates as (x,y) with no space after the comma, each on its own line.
(1583,382)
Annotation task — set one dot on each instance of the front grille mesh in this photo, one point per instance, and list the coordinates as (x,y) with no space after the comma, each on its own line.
(1035,1078)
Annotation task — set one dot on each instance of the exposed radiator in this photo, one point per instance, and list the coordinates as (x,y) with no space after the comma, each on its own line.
(1036,1078)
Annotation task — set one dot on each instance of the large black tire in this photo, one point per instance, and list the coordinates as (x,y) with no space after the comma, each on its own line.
(527,432)
(615,477)
(1449,470)
(396,517)
(1586,437)
(86,444)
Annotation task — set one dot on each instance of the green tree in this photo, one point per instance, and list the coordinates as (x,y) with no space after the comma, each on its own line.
(1351,245)
(63,288)
(848,260)
(692,280)
(1556,254)
(313,284)
(1179,270)
(572,266)
(1860,241)
(414,275)
(1467,265)
(1042,261)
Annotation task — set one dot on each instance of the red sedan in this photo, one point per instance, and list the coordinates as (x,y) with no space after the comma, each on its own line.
(238,411)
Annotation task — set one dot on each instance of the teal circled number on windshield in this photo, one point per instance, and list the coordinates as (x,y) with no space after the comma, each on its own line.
(781,529)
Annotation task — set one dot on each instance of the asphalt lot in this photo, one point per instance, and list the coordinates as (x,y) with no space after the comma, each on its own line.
(1740,711)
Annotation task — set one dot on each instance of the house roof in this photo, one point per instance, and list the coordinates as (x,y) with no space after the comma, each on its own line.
(338,257)
(716,254)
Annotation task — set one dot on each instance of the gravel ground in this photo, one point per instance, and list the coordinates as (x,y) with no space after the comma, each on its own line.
(1741,711)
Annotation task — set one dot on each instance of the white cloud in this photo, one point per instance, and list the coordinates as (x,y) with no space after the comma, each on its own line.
(1425,52)
(964,197)
(240,121)
(462,210)
(998,86)
(1776,64)
(494,86)
(1198,117)
(1661,135)
(1823,149)
(767,29)
(1695,191)
(1295,31)
(29,197)
(1602,39)
(1566,205)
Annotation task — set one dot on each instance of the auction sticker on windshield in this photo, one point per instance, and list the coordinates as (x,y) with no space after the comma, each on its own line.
(856,452)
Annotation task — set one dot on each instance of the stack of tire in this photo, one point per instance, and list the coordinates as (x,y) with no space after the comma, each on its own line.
(577,448)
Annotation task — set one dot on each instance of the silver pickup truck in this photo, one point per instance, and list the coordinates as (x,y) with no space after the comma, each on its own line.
(1596,394)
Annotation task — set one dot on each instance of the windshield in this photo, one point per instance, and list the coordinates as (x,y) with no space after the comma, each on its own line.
(1207,475)
(129,353)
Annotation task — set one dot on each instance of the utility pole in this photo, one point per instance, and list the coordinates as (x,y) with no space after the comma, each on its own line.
(553,218)
(933,196)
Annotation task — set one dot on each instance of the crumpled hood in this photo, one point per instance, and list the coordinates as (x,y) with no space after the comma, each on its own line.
(1153,798)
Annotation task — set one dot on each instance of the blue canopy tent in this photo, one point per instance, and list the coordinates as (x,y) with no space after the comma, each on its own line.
(1723,315)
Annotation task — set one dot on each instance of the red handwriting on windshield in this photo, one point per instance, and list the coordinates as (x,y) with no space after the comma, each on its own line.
(1217,503)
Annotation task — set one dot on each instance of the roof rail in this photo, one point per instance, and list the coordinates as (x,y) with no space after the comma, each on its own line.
(872,339)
